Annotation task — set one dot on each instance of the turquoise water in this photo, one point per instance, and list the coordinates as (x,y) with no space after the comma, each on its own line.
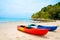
(14,20)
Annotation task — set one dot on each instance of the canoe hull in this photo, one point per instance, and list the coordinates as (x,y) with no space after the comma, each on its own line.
(34,31)
(37,31)
(51,28)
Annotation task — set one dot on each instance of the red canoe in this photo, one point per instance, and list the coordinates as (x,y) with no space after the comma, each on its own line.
(35,31)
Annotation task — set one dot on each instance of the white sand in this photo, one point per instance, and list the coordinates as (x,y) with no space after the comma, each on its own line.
(8,31)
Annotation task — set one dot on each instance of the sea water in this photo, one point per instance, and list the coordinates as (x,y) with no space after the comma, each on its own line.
(15,20)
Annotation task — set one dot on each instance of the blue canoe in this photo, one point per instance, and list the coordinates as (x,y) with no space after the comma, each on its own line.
(51,28)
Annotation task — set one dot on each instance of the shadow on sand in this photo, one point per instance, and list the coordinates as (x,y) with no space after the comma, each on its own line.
(53,31)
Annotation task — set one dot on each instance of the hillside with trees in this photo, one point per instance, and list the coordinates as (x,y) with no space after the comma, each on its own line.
(48,12)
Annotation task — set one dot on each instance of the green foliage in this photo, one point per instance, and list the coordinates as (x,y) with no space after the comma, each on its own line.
(49,12)
(35,15)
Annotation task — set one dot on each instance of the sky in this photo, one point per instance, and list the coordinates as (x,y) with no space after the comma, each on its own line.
(22,8)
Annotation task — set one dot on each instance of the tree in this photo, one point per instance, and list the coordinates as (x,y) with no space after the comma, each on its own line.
(49,12)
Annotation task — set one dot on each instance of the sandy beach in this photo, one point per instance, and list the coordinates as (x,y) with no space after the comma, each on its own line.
(8,31)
